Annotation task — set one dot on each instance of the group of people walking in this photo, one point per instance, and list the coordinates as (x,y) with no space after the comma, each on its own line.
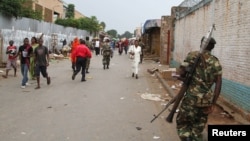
(197,103)
(81,54)
(34,60)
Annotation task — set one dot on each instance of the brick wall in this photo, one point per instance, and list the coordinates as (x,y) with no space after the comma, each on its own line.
(55,6)
(166,39)
(232,21)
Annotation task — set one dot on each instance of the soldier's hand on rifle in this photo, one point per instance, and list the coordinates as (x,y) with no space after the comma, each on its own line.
(181,73)
(178,77)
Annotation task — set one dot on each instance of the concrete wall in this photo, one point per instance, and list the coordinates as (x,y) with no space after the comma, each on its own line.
(232,21)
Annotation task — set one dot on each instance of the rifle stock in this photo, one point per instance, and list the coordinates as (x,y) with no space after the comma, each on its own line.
(176,104)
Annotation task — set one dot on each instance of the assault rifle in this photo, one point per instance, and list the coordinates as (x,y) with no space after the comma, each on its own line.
(188,77)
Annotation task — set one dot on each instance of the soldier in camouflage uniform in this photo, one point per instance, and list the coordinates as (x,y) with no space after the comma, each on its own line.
(88,44)
(199,99)
(107,53)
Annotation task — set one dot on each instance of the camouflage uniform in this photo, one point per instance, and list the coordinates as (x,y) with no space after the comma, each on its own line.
(107,54)
(191,119)
(88,44)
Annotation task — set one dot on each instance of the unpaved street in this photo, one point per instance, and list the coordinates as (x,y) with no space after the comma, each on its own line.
(107,107)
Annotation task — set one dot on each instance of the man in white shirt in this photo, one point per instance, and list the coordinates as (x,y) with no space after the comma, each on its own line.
(97,47)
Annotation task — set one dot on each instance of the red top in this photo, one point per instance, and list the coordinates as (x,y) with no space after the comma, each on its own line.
(74,44)
(81,51)
(12,52)
(126,42)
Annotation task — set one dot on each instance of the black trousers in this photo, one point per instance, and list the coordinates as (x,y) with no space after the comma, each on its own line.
(97,50)
(80,65)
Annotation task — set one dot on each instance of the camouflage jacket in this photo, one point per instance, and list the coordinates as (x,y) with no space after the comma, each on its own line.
(106,50)
(204,75)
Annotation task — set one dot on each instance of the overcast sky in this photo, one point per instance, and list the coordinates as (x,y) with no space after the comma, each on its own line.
(124,15)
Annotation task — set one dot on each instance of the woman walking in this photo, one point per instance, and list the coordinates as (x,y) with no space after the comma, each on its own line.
(34,44)
(135,52)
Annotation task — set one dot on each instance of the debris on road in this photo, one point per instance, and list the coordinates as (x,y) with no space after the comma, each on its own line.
(138,128)
(152,70)
(154,97)
(156,137)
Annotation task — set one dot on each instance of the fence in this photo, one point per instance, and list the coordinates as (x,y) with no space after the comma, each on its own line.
(18,29)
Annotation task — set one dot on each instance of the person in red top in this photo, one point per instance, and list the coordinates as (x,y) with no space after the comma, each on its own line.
(74,45)
(81,53)
(125,45)
(12,55)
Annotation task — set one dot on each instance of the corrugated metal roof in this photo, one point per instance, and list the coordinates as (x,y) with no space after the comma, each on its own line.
(151,23)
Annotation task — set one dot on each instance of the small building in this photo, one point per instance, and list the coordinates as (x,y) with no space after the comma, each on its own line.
(53,9)
(151,36)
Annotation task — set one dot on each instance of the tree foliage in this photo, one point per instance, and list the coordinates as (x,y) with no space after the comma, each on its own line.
(126,34)
(112,33)
(28,12)
(89,24)
(11,8)
(70,13)
(19,8)
(103,25)
(68,22)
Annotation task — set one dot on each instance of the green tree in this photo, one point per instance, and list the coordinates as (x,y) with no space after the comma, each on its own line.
(70,13)
(127,35)
(11,8)
(68,22)
(90,24)
(103,25)
(19,8)
(112,33)
(28,12)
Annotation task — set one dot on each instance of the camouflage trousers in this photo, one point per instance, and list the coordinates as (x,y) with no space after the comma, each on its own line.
(87,63)
(106,60)
(190,120)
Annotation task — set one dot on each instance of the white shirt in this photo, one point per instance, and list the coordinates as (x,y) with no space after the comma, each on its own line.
(137,52)
(97,43)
